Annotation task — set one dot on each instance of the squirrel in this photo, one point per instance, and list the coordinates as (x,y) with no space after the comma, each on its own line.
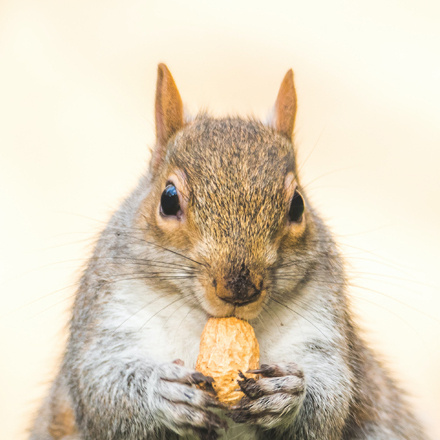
(219,226)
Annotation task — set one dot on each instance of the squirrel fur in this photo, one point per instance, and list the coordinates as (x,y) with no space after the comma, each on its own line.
(232,248)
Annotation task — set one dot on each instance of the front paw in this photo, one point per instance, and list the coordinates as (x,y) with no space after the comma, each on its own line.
(271,400)
(182,406)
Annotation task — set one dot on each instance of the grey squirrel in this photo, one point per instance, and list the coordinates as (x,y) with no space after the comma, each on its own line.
(219,226)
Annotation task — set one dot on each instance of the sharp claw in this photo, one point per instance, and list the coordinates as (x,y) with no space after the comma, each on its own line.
(262,369)
(266,370)
(210,389)
(240,373)
(250,387)
(199,378)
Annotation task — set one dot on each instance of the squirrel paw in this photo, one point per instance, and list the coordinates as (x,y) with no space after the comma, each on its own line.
(183,408)
(268,401)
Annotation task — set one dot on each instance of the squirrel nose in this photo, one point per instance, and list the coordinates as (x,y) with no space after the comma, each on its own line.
(238,289)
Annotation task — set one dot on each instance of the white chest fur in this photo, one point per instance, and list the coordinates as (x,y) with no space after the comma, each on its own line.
(168,327)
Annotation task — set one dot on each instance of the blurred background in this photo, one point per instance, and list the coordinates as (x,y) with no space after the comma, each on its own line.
(77,83)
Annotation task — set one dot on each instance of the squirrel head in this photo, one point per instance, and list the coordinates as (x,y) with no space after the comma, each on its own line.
(224,193)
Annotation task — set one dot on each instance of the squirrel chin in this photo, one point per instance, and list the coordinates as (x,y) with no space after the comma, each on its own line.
(220,309)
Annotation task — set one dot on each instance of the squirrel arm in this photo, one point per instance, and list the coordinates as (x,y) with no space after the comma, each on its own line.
(111,389)
(119,390)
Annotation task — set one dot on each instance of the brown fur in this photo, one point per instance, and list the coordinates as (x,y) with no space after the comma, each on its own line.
(169,111)
(285,106)
(63,422)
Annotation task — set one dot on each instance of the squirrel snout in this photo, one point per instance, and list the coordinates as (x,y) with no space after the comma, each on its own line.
(238,289)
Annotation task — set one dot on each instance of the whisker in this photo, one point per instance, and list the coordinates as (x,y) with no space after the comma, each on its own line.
(269,312)
(427,315)
(153,273)
(178,254)
(298,301)
(328,174)
(389,311)
(41,298)
(392,277)
(142,308)
(163,308)
(311,151)
(169,250)
(348,283)
(172,313)
(63,300)
(189,311)
(299,314)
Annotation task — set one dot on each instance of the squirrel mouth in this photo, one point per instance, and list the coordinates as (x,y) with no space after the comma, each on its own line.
(241,302)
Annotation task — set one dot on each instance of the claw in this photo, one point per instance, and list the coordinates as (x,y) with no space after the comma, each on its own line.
(200,378)
(263,368)
(267,370)
(209,388)
(249,387)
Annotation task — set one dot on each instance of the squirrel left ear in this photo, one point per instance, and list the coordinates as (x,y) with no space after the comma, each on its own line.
(169,112)
(285,107)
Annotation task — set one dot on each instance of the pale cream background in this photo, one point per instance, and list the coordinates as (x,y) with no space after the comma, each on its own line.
(77,85)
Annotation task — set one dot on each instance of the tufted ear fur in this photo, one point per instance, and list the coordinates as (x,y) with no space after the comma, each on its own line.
(285,107)
(169,112)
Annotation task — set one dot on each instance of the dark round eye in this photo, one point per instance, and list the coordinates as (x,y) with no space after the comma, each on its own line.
(296,209)
(169,201)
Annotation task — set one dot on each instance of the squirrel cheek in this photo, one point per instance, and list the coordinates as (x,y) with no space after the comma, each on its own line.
(169,229)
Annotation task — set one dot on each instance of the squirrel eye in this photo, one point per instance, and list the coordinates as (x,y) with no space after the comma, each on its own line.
(169,201)
(296,209)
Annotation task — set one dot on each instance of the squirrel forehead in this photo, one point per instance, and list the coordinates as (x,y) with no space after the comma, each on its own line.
(232,149)
(235,172)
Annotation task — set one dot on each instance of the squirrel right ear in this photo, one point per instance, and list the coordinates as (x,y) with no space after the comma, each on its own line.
(169,112)
(285,107)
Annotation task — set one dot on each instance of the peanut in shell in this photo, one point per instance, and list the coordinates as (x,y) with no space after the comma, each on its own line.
(227,346)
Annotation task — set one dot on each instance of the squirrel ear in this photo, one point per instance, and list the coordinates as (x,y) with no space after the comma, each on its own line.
(285,106)
(168,109)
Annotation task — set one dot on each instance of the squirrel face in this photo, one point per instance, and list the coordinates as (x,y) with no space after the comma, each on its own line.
(225,193)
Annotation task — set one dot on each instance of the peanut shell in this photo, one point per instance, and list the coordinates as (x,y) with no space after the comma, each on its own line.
(227,345)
